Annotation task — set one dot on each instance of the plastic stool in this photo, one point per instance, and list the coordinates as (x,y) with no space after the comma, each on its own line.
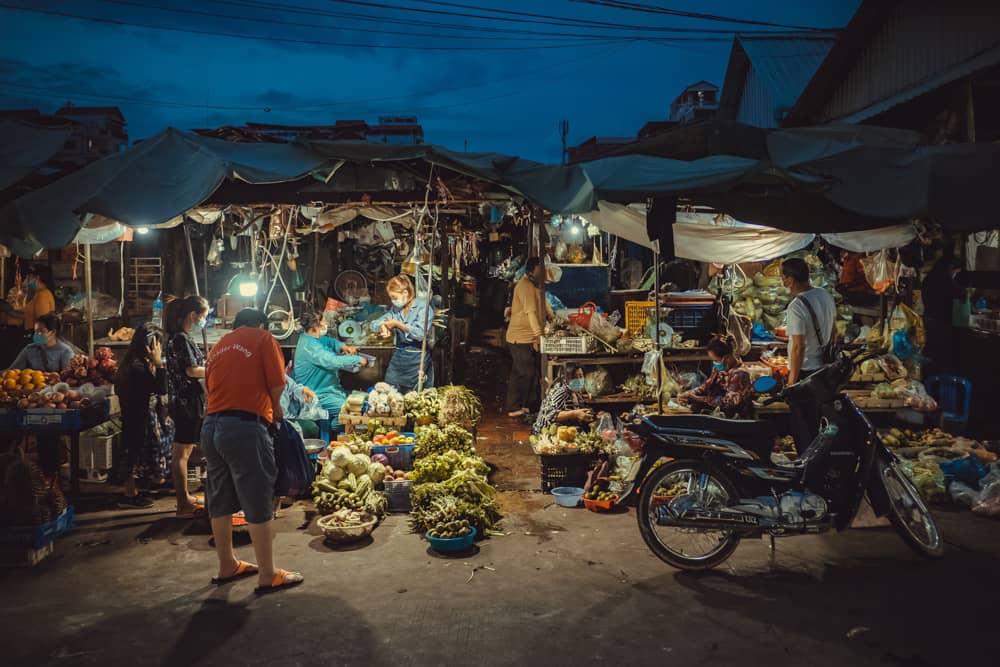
(324,430)
(954,396)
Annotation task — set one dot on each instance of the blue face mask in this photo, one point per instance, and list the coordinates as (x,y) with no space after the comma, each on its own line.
(576,384)
(40,339)
(198,326)
(32,284)
(718,365)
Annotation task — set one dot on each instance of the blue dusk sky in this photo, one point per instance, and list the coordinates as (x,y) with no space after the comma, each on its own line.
(499,80)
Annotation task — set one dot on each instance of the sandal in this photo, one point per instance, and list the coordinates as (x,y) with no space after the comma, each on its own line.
(282,579)
(196,512)
(243,569)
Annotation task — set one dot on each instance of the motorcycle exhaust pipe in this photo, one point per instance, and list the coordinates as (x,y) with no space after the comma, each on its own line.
(705,520)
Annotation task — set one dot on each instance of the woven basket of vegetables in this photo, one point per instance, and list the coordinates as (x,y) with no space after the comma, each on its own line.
(347,525)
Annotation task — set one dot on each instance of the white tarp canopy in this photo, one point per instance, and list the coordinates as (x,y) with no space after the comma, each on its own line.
(708,237)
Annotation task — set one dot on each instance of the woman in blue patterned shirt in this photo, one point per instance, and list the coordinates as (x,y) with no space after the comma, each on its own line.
(563,403)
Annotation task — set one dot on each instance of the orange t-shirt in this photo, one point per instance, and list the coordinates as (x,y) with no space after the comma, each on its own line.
(240,371)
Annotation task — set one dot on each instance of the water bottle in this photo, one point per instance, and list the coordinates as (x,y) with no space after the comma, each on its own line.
(158,311)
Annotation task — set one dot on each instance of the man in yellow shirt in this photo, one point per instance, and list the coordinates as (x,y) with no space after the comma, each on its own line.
(529,312)
(40,299)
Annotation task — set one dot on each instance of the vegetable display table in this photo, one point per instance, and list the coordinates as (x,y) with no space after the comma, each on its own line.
(69,423)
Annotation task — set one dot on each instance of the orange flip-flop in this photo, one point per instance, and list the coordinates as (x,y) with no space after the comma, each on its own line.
(282,579)
(243,569)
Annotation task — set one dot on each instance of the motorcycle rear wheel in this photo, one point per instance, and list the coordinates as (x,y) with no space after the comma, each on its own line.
(909,514)
(656,537)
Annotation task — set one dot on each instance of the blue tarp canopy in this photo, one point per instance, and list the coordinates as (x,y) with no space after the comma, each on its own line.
(818,180)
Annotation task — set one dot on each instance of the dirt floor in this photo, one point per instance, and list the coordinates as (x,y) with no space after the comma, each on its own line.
(560,587)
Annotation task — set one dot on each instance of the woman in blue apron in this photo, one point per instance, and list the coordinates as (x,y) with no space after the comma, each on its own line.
(409,321)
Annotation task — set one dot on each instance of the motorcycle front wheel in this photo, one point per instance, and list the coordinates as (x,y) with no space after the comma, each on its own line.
(686,548)
(908,512)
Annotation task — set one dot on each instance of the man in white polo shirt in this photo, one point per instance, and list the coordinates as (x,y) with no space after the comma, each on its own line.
(810,321)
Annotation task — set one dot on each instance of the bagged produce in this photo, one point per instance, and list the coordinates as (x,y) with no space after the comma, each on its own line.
(927,477)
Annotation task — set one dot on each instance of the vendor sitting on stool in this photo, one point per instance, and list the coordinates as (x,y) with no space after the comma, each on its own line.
(318,362)
(728,387)
(563,403)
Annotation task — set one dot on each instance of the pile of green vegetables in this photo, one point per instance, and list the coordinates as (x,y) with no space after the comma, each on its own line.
(434,439)
(451,490)
(460,406)
(347,481)
(591,442)
(440,467)
(423,406)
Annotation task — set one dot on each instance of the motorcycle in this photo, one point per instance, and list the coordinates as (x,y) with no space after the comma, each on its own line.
(719,485)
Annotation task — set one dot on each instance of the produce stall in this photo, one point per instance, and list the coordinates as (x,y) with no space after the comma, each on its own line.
(434,475)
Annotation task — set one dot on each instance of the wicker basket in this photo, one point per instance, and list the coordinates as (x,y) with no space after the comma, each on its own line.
(341,534)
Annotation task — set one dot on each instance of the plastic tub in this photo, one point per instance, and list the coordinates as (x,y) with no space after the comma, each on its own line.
(453,544)
(568,496)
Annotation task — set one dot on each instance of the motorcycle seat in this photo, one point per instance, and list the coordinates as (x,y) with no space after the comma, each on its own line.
(731,428)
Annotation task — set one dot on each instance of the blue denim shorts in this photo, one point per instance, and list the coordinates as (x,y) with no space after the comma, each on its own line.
(241,468)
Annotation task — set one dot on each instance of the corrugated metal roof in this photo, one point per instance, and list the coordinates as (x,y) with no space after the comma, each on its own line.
(784,65)
(918,43)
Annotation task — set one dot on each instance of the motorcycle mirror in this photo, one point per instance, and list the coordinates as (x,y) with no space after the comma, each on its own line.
(765,384)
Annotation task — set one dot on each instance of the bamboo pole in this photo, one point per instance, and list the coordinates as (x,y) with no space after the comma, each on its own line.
(89,287)
(194,276)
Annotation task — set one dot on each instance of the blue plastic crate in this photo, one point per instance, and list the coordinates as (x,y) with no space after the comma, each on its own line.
(38,536)
(400,456)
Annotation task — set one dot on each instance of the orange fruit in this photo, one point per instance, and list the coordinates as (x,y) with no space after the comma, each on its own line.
(29,387)
(9,384)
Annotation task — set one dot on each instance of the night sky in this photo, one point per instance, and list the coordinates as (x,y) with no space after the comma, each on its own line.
(487,89)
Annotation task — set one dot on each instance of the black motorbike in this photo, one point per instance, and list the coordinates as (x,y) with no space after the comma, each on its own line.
(704,483)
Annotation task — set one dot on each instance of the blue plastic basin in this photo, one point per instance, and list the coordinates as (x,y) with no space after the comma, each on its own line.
(568,496)
(453,544)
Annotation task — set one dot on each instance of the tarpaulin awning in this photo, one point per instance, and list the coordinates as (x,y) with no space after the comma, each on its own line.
(173,172)
(815,180)
(25,147)
(709,237)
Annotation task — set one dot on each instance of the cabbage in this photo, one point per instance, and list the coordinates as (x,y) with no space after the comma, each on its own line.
(377,472)
(357,465)
(335,474)
(340,456)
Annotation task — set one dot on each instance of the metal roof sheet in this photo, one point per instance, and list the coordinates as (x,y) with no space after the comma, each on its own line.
(785,64)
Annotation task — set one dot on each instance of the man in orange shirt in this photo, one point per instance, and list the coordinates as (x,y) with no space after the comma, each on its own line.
(244,378)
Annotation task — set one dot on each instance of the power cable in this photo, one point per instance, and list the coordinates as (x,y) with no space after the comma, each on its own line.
(581,38)
(655,9)
(287,40)
(569,22)
(522,17)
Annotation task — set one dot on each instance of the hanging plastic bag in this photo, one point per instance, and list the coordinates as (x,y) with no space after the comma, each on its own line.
(597,382)
(881,271)
(604,330)
(295,470)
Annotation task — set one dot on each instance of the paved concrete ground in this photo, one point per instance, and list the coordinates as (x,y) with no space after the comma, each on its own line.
(562,587)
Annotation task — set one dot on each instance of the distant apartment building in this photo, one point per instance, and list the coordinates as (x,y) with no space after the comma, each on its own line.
(399,130)
(99,132)
(699,101)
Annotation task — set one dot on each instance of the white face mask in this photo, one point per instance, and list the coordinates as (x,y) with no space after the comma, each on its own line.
(324,331)
(399,303)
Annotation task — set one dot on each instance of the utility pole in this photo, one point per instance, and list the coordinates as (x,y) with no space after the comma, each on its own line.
(563,132)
